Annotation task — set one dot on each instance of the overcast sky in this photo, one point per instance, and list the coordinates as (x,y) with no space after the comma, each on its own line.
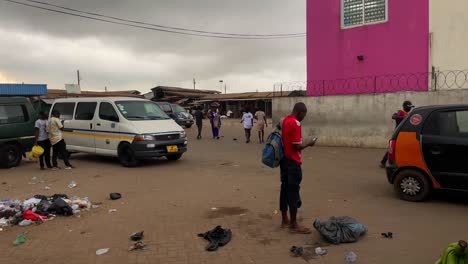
(37,46)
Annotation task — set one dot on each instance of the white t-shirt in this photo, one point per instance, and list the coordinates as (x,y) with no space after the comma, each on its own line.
(42,126)
(54,130)
(247,120)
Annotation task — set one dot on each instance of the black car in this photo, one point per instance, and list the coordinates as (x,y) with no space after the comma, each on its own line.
(178,113)
(429,151)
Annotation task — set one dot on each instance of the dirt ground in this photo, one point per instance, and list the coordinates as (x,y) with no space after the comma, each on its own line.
(173,201)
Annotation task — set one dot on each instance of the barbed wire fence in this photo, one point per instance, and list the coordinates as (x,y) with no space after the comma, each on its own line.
(427,81)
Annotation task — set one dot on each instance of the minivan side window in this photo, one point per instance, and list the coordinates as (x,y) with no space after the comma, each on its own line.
(447,124)
(107,112)
(65,109)
(85,111)
(10,114)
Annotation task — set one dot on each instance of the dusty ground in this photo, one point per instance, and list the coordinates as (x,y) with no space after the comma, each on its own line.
(172,202)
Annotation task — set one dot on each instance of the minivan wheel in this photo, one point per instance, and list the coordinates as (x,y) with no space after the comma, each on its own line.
(11,156)
(174,157)
(412,186)
(127,155)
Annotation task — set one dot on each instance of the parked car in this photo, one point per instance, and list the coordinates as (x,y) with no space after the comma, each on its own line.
(178,113)
(429,151)
(17,133)
(128,128)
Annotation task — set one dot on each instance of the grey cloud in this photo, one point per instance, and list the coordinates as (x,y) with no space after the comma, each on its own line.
(125,58)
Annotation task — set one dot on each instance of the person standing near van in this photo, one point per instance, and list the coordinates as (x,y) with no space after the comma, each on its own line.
(42,140)
(290,166)
(59,146)
(215,120)
(398,117)
(247,121)
(261,123)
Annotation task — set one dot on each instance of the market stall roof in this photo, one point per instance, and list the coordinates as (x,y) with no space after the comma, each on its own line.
(245,96)
(22,89)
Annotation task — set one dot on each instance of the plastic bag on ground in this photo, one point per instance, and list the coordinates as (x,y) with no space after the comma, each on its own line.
(218,237)
(20,239)
(61,207)
(342,229)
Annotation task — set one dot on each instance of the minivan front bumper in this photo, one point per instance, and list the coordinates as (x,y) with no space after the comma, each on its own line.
(153,149)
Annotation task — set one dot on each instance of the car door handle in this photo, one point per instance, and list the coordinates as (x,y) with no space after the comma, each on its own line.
(98,124)
(436,151)
(90,126)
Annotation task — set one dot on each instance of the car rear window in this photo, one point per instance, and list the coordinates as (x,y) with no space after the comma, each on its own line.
(10,114)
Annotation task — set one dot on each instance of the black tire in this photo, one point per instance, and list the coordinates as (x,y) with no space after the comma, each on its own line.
(10,156)
(174,157)
(412,186)
(188,126)
(127,155)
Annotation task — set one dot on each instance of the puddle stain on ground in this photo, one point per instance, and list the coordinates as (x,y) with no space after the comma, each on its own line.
(267,241)
(225,211)
(265,216)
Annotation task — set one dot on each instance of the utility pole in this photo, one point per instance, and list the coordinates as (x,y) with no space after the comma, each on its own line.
(194,83)
(105,89)
(225,89)
(78,75)
(221,82)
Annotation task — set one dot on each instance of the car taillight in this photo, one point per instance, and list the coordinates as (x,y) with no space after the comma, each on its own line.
(391,150)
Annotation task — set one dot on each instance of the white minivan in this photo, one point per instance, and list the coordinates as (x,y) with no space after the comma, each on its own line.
(127,128)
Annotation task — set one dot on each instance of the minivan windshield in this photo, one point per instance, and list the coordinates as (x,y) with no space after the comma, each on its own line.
(178,108)
(140,110)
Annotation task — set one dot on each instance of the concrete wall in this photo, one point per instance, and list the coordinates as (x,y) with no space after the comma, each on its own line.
(447,24)
(397,46)
(359,120)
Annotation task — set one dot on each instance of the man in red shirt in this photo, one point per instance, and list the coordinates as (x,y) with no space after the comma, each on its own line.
(291,172)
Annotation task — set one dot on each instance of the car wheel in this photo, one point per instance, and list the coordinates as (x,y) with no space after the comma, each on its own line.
(127,155)
(188,126)
(412,186)
(174,157)
(11,156)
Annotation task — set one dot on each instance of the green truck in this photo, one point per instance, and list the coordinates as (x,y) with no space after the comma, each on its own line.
(17,133)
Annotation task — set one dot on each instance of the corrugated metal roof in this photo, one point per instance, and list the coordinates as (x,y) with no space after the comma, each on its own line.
(11,89)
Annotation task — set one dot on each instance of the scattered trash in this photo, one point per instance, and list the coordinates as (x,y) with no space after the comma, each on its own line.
(138,246)
(388,235)
(340,229)
(454,253)
(47,188)
(40,208)
(34,178)
(72,184)
(102,251)
(25,223)
(4,182)
(115,196)
(112,210)
(94,206)
(320,251)
(20,239)
(242,214)
(275,212)
(1,229)
(214,208)
(137,236)
(235,139)
(297,251)
(350,257)
(218,237)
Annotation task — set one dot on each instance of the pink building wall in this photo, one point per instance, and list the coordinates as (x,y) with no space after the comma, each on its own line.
(396,53)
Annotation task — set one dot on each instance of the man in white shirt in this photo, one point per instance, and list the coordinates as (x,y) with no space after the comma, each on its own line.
(42,140)
(247,121)
(56,139)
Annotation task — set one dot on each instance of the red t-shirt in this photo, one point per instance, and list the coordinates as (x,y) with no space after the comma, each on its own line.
(291,133)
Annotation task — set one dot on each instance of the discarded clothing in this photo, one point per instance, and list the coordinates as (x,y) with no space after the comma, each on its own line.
(30,215)
(60,207)
(218,237)
(342,229)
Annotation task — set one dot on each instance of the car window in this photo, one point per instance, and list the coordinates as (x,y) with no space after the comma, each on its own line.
(10,114)
(447,124)
(107,112)
(165,107)
(178,108)
(65,109)
(140,110)
(85,111)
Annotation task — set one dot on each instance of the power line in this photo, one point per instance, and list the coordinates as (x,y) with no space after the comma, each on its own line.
(166,27)
(207,35)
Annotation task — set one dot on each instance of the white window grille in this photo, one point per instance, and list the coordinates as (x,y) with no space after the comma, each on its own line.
(355,13)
